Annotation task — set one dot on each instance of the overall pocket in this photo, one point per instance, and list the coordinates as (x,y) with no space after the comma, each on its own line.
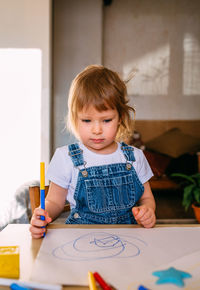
(109,194)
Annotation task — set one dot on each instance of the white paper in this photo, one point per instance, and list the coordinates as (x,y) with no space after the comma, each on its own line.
(122,256)
(189,263)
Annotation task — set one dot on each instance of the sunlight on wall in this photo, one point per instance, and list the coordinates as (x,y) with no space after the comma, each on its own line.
(152,75)
(191,70)
(20,120)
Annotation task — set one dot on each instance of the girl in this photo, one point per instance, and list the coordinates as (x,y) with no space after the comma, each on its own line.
(105,182)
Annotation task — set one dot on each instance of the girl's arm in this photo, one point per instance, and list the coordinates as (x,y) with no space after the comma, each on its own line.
(145,212)
(55,200)
(54,205)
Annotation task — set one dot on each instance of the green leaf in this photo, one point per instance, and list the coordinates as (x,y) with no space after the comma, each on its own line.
(197,194)
(188,178)
(191,188)
(188,196)
(196,175)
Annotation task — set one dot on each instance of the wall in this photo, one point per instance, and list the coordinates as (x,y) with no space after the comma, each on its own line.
(27,24)
(25,36)
(160,40)
(77,39)
(157,39)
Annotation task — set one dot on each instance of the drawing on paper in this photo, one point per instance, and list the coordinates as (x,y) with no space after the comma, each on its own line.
(99,245)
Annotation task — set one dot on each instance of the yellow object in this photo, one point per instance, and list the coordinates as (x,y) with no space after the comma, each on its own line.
(42,176)
(9,262)
(91,280)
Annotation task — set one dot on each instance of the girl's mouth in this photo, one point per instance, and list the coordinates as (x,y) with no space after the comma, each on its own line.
(97,141)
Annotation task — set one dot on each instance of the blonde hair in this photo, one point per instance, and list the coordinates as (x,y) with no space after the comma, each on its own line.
(102,88)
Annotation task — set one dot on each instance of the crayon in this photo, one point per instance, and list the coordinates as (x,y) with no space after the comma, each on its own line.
(91,280)
(142,288)
(101,282)
(15,286)
(42,188)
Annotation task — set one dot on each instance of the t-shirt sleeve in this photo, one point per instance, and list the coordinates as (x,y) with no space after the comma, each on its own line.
(59,169)
(143,168)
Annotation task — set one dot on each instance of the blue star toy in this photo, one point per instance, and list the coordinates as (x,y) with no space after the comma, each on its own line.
(171,275)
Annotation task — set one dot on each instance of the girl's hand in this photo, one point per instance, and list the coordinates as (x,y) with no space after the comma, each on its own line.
(38,226)
(144,216)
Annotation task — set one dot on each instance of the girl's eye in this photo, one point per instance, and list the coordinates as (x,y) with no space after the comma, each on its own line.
(86,121)
(107,120)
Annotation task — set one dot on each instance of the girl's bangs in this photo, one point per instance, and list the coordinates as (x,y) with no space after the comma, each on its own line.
(101,100)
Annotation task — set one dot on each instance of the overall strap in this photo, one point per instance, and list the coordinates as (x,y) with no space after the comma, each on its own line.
(128,151)
(76,154)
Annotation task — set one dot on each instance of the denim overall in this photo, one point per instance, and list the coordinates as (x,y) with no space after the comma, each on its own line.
(105,194)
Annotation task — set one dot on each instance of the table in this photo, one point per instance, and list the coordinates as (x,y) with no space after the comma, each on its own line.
(18,234)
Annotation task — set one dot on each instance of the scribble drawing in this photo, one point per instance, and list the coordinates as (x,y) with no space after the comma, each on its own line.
(99,245)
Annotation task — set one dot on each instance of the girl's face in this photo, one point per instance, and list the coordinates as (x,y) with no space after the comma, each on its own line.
(97,130)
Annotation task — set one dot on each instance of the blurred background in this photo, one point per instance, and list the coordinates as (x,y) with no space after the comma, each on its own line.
(44,44)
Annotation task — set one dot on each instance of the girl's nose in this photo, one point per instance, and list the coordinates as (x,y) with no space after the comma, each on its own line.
(96,128)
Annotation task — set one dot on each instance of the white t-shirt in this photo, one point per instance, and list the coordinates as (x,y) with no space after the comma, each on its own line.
(62,172)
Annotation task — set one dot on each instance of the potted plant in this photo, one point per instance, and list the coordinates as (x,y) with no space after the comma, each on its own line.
(191,191)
